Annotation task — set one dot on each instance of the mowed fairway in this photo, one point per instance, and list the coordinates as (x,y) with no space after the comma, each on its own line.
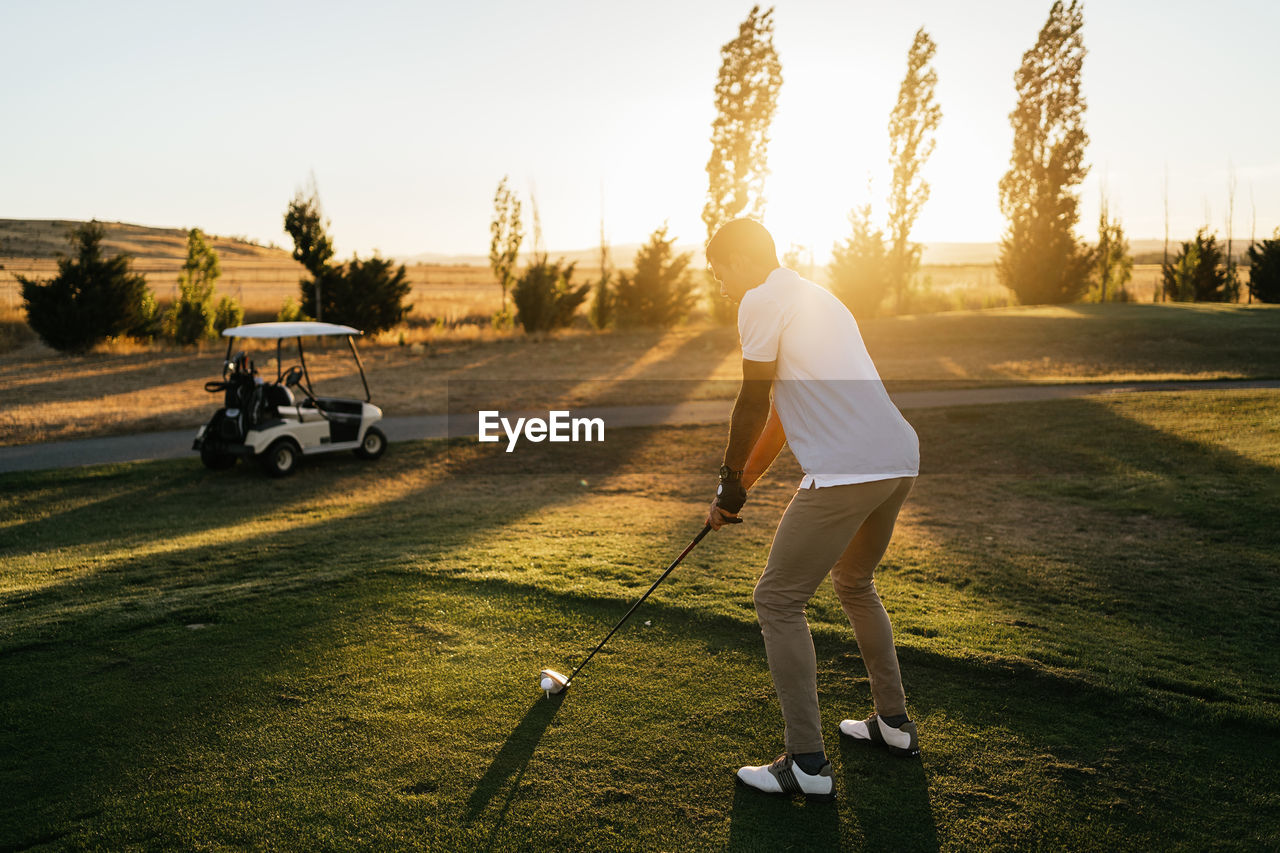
(1084,592)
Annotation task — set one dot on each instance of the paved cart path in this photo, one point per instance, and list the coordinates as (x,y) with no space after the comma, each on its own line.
(177,444)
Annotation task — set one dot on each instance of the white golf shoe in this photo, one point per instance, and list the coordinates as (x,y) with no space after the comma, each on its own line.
(783,776)
(902,740)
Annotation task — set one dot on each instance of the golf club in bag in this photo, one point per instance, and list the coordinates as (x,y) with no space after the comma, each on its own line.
(554,682)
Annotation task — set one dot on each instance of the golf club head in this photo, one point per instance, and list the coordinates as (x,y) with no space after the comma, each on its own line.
(557,682)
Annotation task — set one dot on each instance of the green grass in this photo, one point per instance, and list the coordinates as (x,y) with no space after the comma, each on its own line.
(1084,594)
(1112,342)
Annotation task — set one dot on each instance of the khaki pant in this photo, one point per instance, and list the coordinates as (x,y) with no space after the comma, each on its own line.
(843,530)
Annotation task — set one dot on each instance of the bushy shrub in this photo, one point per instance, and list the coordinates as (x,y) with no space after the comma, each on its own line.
(368,295)
(1196,273)
(91,297)
(1264,270)
(291,312)
(189,321)
(859,268)
(150,319)
(544,297)
(660,291)
(228,314)
(502,320)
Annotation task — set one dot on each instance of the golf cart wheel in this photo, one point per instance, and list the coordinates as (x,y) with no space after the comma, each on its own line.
(281,457)
(374,444)
(215,459)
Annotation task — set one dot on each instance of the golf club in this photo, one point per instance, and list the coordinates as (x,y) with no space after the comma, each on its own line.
(554,682)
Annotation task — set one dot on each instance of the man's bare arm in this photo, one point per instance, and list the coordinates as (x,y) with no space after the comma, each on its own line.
(766,449)
(750,412)
(750,415)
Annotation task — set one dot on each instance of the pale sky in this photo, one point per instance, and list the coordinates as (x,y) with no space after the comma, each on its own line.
(409,113)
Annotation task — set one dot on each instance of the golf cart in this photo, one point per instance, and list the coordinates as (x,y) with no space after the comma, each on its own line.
(278,422)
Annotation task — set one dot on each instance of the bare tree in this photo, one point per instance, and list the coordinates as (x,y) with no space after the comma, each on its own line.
(1233,280)
(602,303)
(1253,235)
(539,248)
(1164,262)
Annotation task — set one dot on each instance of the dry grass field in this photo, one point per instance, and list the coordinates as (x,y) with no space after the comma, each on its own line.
(444,297)
(261,277)
(450,293)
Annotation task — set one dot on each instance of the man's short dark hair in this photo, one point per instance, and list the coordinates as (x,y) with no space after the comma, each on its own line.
(744,237)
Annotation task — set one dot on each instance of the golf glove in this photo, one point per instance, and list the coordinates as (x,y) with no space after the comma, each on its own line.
(730,495)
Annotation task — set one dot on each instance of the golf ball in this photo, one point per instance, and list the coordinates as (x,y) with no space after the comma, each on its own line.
(548,684)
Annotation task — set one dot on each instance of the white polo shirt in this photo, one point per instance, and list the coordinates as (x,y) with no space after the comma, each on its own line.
(840,423)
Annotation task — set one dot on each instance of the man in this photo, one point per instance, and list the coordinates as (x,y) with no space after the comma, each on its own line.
(860,458)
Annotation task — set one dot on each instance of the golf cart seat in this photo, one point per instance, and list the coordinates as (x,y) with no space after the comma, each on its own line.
(279,395)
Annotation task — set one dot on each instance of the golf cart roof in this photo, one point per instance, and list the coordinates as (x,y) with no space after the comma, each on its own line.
(287,330)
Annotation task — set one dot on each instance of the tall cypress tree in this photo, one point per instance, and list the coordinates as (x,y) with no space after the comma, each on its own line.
(746,99)
(1040,258)
(912,126)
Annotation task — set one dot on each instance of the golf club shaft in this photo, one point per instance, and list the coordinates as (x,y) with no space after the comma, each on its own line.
(705,530)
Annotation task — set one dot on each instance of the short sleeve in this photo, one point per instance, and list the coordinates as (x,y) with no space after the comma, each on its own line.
(759,326)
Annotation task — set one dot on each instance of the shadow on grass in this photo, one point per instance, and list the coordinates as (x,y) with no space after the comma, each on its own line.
(1125,478)
(761,821)
(889,797)
(509,765)
(512,760)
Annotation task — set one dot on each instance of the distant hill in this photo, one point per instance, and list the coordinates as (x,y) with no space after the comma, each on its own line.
(970,254)
(47,238)
(620,255)
(1143,251)
(966,254)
